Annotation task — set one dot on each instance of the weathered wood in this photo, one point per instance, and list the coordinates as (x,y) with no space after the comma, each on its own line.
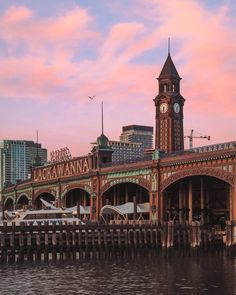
(46,249)
(54,242)
(3,243)
(38,241)
(89,240)
(29,243)
(12,244)
(73,241)
(21,243)
(61,240)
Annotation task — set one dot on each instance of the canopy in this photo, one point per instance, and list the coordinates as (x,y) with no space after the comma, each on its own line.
(127,208)
(48,205)
(83,210)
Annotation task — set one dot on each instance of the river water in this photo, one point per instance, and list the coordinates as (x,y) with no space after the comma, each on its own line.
(208,274)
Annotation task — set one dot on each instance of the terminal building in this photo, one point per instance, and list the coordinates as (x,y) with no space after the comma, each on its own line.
(174,184)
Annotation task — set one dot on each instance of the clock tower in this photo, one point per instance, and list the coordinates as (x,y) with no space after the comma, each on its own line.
(169,110)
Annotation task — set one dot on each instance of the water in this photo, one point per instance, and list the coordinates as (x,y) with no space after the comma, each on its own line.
(138,275)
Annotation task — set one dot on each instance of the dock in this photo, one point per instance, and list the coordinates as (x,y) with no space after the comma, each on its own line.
(56,241)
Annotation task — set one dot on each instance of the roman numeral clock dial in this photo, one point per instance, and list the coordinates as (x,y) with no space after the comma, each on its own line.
(176,108)
(163,108)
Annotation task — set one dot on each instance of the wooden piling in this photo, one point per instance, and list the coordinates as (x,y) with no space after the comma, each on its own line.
(54,242)
(31,241)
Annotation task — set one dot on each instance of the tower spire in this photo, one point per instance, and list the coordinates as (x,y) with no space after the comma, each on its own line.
(169,46)
(102,117)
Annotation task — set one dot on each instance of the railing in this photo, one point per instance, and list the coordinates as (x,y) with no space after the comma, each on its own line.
(204,149)
(135,160)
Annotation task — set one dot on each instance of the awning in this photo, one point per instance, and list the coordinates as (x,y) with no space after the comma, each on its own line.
(48,205)
(127,208)
(83,210)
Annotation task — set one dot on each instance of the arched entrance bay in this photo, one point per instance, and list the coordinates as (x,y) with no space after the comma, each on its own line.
(45,196)
(76,196)
(22,202)
(197,198)
(124,193)
(9,204)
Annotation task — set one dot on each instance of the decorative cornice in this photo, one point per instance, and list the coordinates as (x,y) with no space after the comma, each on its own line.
(83,186)
(191,158)
(136,180)
(214,172)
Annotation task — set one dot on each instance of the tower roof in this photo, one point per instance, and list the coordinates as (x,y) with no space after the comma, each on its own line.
(169,69)
(103,142)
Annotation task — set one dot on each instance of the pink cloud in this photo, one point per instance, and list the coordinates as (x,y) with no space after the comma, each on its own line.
(16,14)
(46,69)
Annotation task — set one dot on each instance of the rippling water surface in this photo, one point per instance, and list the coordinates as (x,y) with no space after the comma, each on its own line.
(138,275)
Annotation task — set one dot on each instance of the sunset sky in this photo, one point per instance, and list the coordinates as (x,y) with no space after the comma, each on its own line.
(54,54)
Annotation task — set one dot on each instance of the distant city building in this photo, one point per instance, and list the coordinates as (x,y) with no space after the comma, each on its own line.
(125,151)
(16,159)
(138,134)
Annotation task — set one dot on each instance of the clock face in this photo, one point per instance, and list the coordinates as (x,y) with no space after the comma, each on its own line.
(163,107)
(176,107)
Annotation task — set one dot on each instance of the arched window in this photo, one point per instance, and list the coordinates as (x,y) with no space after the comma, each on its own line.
(173,87)
(165,87)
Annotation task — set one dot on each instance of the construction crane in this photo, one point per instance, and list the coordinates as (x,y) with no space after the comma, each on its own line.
(191,138)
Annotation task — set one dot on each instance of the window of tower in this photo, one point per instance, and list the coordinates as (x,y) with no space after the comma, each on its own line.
(173,88)
(165,87)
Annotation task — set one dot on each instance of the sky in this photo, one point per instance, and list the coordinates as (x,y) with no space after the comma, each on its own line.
(54,54)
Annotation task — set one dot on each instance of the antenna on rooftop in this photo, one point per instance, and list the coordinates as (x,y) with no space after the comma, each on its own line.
(37,141)
(37,158)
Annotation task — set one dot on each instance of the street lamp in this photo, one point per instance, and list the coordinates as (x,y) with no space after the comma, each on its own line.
(94,196)
(153,206)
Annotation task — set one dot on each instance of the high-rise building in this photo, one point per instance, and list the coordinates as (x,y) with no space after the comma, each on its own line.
(16,159)
(125,151)
(138,134)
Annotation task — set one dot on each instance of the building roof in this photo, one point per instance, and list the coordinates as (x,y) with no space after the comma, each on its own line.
(137,127)
(169,69)
(125,143)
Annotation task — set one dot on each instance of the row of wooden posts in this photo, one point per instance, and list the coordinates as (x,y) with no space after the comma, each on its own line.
(57,241)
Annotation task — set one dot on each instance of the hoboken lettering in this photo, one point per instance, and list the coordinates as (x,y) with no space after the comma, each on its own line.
(73,167)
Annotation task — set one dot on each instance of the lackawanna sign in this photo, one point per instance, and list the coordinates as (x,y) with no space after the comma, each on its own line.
(73,167)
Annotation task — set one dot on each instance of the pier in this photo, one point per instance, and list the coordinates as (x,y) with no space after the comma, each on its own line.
(70,241)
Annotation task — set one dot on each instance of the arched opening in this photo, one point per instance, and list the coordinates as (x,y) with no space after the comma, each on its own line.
(45,196)
(23,202)
(125,193)
(77,196)
(9,204)
(197,198)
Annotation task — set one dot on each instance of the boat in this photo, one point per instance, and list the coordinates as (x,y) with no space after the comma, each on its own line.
(41,216)
(50,214)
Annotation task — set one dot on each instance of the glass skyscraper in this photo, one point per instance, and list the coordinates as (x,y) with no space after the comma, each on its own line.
(16,159)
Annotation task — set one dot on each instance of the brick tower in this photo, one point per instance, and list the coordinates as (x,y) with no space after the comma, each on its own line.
(169,110)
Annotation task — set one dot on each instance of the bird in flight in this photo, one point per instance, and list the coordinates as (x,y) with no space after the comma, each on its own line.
(92,97)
